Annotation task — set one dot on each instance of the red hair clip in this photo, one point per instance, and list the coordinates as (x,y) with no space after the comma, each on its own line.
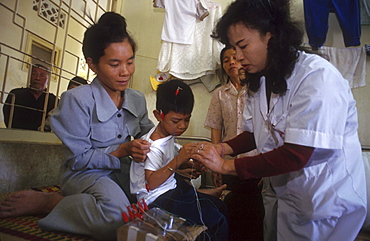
(178,90)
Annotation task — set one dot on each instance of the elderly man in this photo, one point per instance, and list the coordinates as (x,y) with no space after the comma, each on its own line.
(29,102)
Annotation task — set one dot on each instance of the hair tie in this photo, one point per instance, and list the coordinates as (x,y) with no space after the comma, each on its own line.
(176,94)
(178,90)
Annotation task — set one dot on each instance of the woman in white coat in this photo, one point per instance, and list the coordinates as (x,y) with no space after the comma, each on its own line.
(301,116)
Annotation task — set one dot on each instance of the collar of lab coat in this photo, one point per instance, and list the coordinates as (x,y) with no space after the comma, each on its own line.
(274,98)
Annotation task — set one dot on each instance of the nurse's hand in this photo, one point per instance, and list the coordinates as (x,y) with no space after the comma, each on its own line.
(208,155)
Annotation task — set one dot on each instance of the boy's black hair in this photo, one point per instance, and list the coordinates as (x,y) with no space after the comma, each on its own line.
(175,95)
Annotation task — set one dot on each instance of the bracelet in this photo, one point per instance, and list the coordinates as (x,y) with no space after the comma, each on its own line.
(223,149)
(171,169)
(181,174)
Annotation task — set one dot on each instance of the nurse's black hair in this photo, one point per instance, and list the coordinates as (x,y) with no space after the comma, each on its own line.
(287,36)
(174,95)
(110,28)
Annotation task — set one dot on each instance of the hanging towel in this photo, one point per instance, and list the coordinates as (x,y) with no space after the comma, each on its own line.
(351,63)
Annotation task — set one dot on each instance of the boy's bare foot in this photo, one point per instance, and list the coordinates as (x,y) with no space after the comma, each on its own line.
(216,192)
(29,203)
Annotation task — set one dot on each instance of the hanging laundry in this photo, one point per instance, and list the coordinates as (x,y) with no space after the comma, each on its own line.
(367,48)
(351,63)
(365,11)
(180,19)
(316,13)
(192,61)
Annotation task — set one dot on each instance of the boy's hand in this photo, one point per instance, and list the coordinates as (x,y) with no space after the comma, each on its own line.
(199,166)
(217,179)
(189,168)
(189,172)
(184,154)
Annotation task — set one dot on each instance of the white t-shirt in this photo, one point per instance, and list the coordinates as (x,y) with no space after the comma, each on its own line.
(179,21)
(161,152)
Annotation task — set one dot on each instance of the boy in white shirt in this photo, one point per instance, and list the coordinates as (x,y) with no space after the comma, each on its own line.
(154,180)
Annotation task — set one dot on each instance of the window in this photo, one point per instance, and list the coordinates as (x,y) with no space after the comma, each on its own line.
(42,53)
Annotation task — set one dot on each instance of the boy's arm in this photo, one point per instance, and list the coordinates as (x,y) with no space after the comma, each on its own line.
(156,178)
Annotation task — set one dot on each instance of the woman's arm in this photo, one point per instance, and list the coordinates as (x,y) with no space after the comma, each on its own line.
(89,141)
(286,158)
(244,142)
(216,135)
(73,124)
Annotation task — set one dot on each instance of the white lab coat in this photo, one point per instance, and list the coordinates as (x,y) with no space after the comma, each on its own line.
(326,200)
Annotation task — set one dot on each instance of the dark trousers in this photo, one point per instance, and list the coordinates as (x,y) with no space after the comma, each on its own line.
(182,201)
(245,209)
(316,13)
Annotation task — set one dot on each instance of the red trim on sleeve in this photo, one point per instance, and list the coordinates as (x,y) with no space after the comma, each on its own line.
(243,142)
(284,159)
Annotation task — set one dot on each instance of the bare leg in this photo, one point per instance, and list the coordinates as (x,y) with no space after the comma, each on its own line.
(29,203)
(216,192)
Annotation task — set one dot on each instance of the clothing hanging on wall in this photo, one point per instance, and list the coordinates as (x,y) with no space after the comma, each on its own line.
(180,19)
(192,61)
(351,63)
(316,13)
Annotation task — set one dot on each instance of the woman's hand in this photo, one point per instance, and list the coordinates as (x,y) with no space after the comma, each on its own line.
(209,155)
(138,149)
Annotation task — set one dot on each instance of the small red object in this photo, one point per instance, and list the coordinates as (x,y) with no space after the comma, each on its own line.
(140,208)
(138,215)
(145,206)
(130,212)
(146,184)
(134,208)
(125,218)
(177,91)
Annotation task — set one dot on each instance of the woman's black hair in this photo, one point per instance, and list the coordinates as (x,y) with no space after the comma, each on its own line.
(174,95)
(287,36)
(110,28)
(77,80)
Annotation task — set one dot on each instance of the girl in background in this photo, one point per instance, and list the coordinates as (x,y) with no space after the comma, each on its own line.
(224,117)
